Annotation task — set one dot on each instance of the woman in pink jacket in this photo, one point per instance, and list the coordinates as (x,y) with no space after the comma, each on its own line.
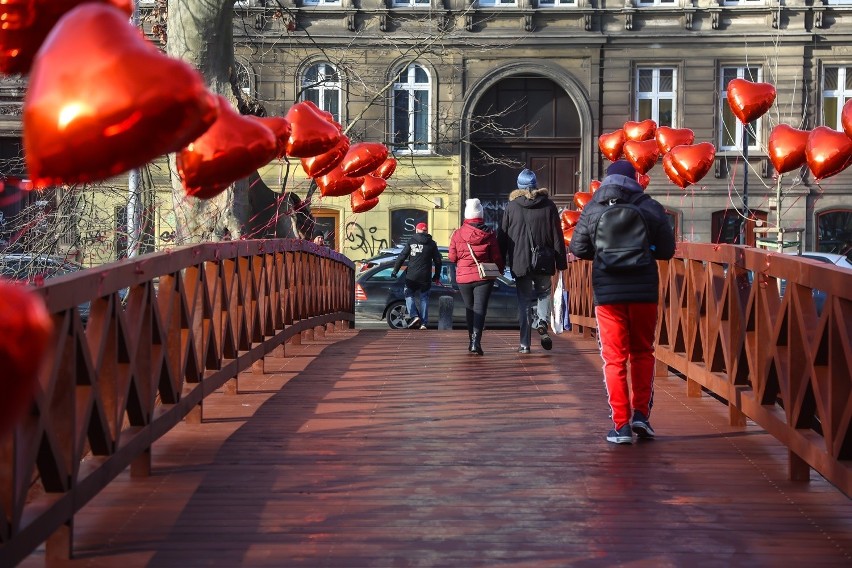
(476,237)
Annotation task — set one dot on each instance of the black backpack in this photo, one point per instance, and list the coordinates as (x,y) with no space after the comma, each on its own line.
(621,238)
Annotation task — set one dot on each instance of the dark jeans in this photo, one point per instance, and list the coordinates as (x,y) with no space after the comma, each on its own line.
(475,296)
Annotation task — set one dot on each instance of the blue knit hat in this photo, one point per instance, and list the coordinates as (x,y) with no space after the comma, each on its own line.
(622,168)
(526,180)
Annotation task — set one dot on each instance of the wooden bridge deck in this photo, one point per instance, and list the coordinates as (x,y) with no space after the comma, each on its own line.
(397,448)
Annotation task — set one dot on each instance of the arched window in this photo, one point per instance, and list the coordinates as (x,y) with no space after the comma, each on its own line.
(321,85)
(411,110)
(834,231)
(245,78)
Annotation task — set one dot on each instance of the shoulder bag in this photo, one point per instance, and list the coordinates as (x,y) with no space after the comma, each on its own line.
(487,270)
(542,257)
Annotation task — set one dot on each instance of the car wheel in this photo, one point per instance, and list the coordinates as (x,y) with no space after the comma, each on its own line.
(397,316)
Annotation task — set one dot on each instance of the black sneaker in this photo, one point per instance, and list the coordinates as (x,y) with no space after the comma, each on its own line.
(414,324)
(642,426)
(546,342)
(523,349)
(623,435)
(542,328)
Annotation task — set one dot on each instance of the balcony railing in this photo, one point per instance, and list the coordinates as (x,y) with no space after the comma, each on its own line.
(163,331)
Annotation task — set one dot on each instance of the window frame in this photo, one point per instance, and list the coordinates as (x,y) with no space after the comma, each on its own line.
(322,87)
(411,4)
(655,95)
(657,3)
(496,4)
(320,3)
(557,4)
(845,94)
(411,86)
(724,107)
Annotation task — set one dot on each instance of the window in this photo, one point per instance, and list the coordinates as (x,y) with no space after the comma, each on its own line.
(726,224)
(836,90)
(496,3)
(731,131)
(556,3)
(321,86)
(411,3)
(245,78)
(320,2)
(656,2)
(834,231)
(411,110)
(655,94)
(674,222)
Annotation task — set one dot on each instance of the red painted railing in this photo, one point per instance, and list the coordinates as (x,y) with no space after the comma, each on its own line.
(164,331)
(769,333)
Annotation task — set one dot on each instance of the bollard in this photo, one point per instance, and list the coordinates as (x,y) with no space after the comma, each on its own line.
(445,312)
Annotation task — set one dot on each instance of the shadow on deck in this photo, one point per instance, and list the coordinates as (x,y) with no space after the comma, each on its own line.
(398,448)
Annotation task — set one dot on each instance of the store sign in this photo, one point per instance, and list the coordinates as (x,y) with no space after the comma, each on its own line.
(403,222)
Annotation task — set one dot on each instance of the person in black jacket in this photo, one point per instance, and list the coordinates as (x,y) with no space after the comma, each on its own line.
(422,253)
(532,219)
(626,296)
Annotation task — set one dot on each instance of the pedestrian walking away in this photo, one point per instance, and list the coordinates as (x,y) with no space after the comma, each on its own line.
(623,231)
(470,245)
(422,255)
(531,242)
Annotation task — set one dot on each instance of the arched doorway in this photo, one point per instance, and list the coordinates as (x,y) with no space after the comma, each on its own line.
(524,121)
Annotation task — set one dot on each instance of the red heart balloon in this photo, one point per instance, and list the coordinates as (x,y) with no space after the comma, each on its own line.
(363,158)
(611,144)
(846,118)
(373,186)
(567,234)
(387,168)
(787,148)
(594,185)
(667,138)
(26,23)
(581,198)
(360,203)
(639,131)
(749,100)
(234,147)
(828,152)
(26,329)
(644,180)
(693,162)
(337,184)
(568,219)
(310,133)
(671,171)
(643,155)
(320,165)
(280,128)
(100,103)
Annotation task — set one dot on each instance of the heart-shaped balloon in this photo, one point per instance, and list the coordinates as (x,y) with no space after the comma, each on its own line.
(581,198)
(24,24)
(828,152)
(846,118)
(102,100)
(668,137)
(280,128)
(387,168)
(234,147)
(569,218)
(363,157)
(643,155)
(567,234)
(672,173)
(594,185)
(693,161)
(337,184)
(639,131)
(644,180)
(310,133)
(749,100)
(611,144)
(320,165)
(373,186)
(26,329)
(787,148)
(360,203)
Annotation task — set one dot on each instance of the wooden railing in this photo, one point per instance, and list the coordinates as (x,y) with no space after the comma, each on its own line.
(164,331)
(784,360)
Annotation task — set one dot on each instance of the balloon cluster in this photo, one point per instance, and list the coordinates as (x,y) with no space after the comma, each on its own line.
(826,151)
(100,104)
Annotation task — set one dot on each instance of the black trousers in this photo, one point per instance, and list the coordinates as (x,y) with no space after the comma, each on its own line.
(475,296)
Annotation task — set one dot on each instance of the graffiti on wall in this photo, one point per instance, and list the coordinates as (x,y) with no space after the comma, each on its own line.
(363,240)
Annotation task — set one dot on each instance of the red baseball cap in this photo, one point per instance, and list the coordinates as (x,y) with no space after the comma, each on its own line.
(420,227)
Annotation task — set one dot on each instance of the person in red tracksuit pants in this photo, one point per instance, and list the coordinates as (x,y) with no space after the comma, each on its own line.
(626,299)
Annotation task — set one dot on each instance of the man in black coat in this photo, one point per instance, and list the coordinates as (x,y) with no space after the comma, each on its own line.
(626,294)
(422,253)
(530,220)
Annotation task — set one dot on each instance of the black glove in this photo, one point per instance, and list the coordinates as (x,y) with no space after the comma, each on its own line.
(393,274)
(436,280)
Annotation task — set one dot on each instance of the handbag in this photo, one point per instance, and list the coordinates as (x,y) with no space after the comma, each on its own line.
(542,257)
(487,270)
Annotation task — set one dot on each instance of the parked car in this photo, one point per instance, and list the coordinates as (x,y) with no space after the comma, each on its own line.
(379,296)
(387,254)
(838,260)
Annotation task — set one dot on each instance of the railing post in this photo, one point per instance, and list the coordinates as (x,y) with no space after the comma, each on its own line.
(60,544)
(259,366)
(141,464)
(232,386)
(798,469)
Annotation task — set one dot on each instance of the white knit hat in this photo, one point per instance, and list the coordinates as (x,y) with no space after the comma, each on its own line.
(473,209)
